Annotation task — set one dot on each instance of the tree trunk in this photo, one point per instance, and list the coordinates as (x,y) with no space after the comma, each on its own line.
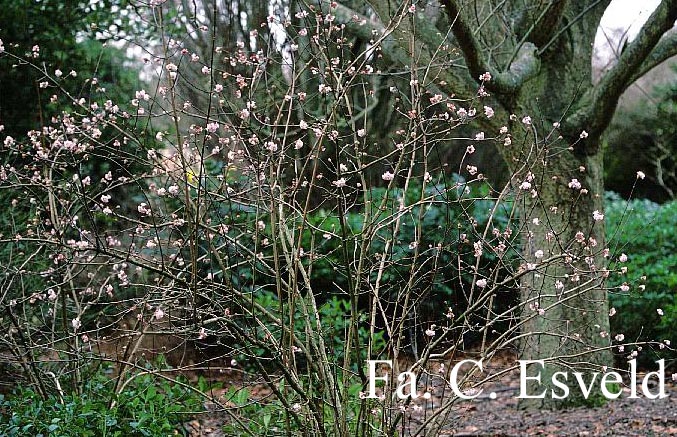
(565,307)
(565,312)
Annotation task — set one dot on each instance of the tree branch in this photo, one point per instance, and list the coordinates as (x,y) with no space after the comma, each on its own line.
(427,44)
(596,107)
(353,20)
(664,50)
(589,15)
(540,31)
(525,66)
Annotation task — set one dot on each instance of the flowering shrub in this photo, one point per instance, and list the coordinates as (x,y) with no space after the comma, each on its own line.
(223,211)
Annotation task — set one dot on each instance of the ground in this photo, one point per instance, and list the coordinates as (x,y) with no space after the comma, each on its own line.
(501,417)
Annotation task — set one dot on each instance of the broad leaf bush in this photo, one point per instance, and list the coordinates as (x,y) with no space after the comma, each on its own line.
(148,406)
(645,233)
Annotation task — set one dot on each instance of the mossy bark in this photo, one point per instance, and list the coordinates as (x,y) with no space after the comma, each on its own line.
(564,318)
(565,306)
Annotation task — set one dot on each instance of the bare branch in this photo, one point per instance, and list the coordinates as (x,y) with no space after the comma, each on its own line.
(540,31)
(596,107)
(525,66)
(587,16)
(357,24)
(664,50)
(425,48)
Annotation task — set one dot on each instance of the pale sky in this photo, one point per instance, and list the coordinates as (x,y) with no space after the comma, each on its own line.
(622,20)
(628,15)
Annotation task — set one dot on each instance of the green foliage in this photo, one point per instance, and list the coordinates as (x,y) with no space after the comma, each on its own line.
(148,406)
(260,418)
(647,233)
(334,319)
(439,220)
(271,418)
